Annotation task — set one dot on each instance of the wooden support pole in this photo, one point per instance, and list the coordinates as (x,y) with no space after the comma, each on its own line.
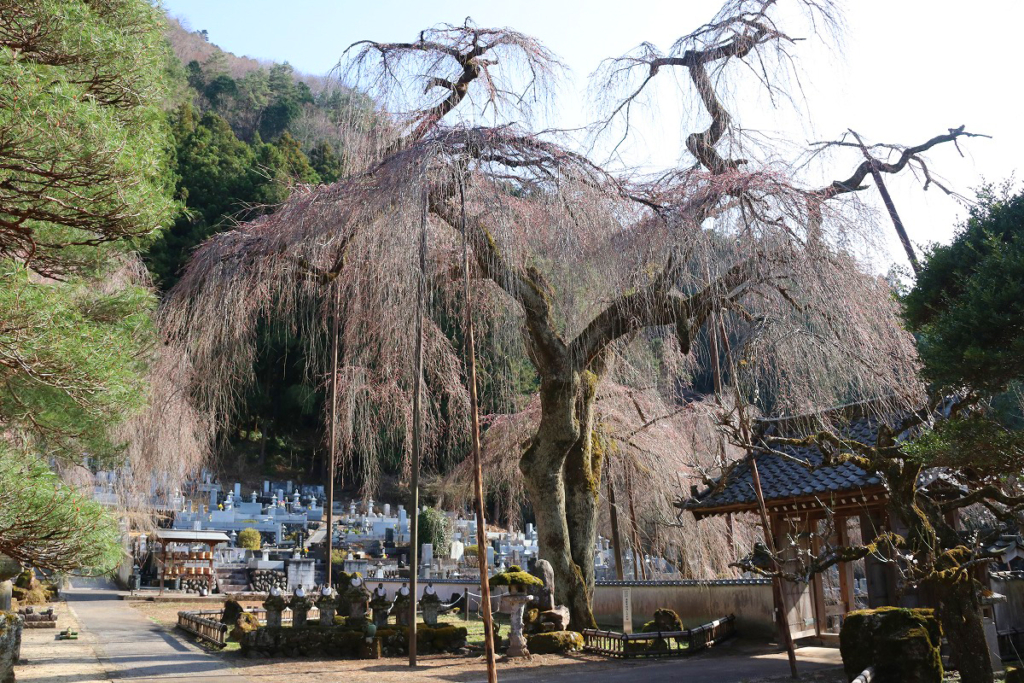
(333,450)
(782,618)
(613,512)
(897,222)
(478,479)
(417,440)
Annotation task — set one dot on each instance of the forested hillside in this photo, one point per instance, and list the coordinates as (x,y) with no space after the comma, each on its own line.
(244,133)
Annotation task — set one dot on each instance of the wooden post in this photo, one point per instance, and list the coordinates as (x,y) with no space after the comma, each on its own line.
(333,451)
(478,479)
(779,595)
(417,440)
(163,570)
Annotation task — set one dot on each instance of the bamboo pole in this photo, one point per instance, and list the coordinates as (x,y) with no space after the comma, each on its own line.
(417,441)
(478,479)
(334,435)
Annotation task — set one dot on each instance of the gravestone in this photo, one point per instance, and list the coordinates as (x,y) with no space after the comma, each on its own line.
(544,596)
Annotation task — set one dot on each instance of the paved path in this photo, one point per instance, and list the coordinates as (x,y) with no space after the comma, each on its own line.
(133,648)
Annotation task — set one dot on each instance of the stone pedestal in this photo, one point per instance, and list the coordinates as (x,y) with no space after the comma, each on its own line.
(274,604)
(516,639)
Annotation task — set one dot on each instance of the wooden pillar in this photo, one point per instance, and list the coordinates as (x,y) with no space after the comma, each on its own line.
(817,584)
(846,593)
(876,571)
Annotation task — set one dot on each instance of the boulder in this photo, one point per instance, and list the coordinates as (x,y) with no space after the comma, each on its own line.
(902,644)
(557,618)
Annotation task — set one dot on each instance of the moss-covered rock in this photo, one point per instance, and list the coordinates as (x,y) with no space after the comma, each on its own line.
(244,623)
(555,642)
(664,620)
(902,644)
(514,576)
(28,590)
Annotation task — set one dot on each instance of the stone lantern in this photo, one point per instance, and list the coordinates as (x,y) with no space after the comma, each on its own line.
(517,581)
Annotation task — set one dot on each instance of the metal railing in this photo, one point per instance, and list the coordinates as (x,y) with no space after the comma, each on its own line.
(659,643)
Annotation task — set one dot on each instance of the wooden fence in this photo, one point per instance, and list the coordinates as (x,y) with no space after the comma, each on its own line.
(206,624)
(659,643)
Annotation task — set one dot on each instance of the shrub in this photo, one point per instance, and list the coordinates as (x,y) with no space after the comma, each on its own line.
(249,539)
(554,642)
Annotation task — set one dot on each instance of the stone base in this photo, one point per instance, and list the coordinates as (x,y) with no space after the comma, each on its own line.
(370,650)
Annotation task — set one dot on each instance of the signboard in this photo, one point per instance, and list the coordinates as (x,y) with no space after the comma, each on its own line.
(627,610)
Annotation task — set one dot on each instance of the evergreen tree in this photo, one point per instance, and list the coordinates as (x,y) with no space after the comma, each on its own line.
(85,178)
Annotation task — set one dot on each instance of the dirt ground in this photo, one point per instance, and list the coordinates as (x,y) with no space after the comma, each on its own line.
(46,659)
(452,668)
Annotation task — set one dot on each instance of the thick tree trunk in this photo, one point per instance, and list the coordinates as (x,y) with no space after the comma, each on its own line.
(543,466)
(960,612)
(582,476)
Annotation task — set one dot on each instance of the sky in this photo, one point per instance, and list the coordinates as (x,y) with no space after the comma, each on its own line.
(907,70)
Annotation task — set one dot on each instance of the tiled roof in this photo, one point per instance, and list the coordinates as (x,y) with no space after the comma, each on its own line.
(784,479)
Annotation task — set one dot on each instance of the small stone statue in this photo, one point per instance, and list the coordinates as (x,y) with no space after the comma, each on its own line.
(381,606)
(300,605)
(274,604)
(400,607)
(431,605)
(328,604)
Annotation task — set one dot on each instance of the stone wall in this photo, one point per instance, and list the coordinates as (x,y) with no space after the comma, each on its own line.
(345,641)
